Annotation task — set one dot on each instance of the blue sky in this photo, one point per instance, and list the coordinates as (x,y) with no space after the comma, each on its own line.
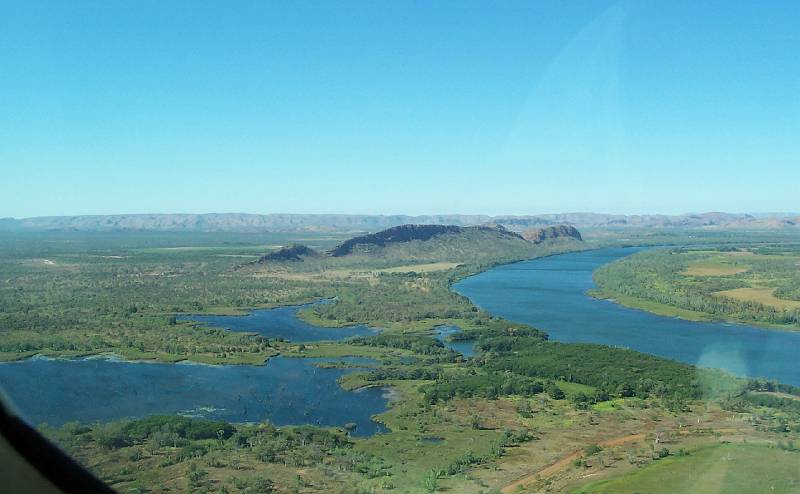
(515,107)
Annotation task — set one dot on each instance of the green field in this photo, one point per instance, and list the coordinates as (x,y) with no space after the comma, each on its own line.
(725,468)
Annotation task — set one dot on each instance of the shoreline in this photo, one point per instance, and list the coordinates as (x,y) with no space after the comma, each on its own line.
(670,311)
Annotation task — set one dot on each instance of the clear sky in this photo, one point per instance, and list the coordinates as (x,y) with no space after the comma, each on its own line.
(512,107)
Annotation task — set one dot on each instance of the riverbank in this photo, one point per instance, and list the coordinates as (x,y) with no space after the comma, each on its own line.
(134,355)
(665,310)
(650,306)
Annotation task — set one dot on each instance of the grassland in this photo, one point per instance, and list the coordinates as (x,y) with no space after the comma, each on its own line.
(420,268)
(762,295)
(712,268)
(722,468)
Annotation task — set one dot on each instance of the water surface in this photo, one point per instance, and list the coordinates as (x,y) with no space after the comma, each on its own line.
(464,347)
(284,391)
(280,322)
(550,294)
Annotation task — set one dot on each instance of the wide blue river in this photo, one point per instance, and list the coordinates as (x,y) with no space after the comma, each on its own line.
(550,294)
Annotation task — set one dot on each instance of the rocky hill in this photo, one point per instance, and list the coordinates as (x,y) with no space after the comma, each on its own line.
(442,243)
(433,243)
(293,253)
(540,235)
(410,233)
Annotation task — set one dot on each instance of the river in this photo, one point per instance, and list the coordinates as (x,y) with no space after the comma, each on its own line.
(550,293)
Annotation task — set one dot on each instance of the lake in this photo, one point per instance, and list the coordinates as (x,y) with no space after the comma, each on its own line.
(465,347)
(280,322)
(550,293)
(284,391)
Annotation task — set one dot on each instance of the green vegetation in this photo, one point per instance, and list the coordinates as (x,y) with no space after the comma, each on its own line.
(190,454)
(417,344)
(613,371)
(456,424)
(395,298)
(725,468)
(485,385)
(70,294)
(754,285)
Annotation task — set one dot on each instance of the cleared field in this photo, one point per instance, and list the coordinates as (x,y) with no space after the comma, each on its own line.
(565,462)
(713,268)
(206,248)
(345,273)
(727,468)
(763,295)
(331,274)
(420,268)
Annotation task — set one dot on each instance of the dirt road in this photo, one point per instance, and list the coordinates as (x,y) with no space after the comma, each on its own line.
(566,461)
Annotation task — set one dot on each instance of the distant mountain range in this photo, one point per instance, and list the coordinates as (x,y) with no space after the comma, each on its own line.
(238,222)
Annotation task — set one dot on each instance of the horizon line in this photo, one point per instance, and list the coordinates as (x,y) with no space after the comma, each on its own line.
(776,214)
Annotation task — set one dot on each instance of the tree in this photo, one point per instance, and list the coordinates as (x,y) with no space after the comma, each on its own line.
(431,481)
(554,391)
(475,421)
(592,449)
